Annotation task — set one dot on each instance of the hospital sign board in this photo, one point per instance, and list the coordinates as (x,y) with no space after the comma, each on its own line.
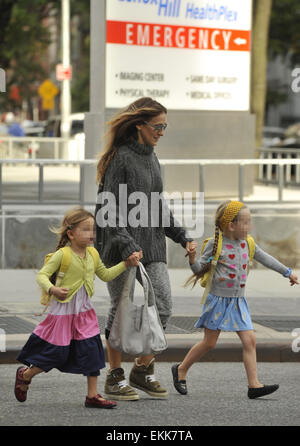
(189,55)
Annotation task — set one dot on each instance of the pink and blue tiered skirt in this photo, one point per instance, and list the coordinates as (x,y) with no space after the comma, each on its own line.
(68,339)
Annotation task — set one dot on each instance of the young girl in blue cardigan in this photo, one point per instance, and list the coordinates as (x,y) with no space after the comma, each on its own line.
(225,307)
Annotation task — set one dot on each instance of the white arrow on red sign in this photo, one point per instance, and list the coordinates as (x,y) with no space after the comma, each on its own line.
(240,41)
(63,73)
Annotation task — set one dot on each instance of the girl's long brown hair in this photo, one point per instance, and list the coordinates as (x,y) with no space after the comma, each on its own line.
(123,126)
(197,276)
(71,219)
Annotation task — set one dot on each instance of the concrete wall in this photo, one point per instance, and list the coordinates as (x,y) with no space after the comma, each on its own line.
(27,238)
(211,135)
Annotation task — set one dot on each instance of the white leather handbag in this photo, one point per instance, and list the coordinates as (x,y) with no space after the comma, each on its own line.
(137,329)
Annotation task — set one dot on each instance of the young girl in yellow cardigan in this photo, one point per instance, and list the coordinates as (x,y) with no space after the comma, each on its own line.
(69,337)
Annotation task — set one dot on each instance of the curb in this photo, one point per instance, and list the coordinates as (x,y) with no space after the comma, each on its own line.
(275,351)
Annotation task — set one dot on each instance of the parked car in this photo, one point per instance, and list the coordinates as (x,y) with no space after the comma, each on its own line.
(76,125)
(76,144)
(291,137)
(34,128)
(272,136)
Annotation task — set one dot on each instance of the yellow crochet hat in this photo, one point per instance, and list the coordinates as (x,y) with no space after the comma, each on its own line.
(230,212)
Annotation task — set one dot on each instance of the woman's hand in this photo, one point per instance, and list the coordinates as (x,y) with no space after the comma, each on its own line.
(60,293)
(133,259)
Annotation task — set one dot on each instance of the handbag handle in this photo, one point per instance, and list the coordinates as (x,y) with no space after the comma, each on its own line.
(129,285)
(147,285)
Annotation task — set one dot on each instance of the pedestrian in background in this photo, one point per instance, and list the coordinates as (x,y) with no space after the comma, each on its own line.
(129,159)
(69,337)
(225,308)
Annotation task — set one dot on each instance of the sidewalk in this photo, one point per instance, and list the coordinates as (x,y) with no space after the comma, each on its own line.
(273,303)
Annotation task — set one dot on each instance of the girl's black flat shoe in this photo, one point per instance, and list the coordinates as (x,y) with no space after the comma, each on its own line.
(180,386)
(256,392)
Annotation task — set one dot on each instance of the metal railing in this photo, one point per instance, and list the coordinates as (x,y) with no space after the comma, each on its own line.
(41,164)
(201,163)
(32,147)
(269,173)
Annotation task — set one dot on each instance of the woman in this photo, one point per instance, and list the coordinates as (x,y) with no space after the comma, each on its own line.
(129,166)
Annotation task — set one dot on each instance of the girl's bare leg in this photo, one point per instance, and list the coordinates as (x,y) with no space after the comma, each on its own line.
(28,374)
(249,357)
(92,387)
(197,351)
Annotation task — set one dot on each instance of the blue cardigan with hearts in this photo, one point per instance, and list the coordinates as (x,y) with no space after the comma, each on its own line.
(231,270)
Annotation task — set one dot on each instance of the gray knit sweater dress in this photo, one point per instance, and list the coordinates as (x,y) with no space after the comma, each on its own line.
(136,167)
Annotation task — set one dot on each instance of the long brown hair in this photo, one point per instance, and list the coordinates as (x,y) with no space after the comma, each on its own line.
(197,276)
(123,126)
(71,219)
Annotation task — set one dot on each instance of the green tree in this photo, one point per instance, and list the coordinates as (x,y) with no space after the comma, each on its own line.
(24,41)
(80,9)
(284,41)
(261,22)
(284,35)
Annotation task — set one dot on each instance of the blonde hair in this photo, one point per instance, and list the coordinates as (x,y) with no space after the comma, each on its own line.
(219,226)
(123,126)
(71,219)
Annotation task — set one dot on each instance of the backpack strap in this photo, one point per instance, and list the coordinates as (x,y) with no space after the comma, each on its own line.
(64,265)
(204,244)
(251,247)
(95,254)
(213,267)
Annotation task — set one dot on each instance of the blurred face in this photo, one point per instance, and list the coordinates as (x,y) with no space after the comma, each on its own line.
(241,228)
(150,131)
(83,234)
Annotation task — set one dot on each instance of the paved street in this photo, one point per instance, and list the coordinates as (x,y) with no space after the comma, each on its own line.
(217,397)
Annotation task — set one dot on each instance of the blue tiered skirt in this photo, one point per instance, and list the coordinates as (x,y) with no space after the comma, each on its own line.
(225,313)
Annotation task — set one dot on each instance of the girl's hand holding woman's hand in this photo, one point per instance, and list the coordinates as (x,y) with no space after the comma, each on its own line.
(133,259)
(60,293)
(191,248)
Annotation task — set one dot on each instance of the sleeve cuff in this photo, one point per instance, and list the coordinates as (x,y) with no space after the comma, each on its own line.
(287,273)
(195,267)
(183,241)
(129,249)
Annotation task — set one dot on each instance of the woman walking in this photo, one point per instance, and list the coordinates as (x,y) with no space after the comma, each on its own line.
(129,168)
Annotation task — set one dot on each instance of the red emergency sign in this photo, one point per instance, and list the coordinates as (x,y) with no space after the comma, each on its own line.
(174,36)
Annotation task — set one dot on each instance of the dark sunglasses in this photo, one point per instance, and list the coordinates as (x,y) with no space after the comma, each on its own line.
(157,127)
